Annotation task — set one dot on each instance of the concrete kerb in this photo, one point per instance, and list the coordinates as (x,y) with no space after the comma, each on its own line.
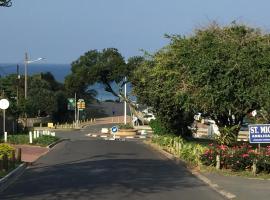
(12,176)
(207,181)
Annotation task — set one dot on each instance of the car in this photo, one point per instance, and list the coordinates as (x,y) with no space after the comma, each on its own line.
(148,117)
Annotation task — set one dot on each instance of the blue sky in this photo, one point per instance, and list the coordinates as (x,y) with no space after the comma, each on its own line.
(62,30)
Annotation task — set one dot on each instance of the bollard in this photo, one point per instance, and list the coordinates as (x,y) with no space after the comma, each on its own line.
(35,134)
(91,120)
(53,134)
(5,162)
(19,155)
(254,167)
(30,137)
(5,137)
(218,162)
(13,160)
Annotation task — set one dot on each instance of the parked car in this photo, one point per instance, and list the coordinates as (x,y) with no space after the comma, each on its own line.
(148,117)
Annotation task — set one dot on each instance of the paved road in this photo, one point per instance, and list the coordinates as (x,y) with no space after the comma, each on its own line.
(97,169)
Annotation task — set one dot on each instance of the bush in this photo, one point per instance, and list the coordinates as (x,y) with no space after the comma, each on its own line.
(125,126)
(45,140)
(6,149)
(237,158)
(158,127)
(18,139)
(188,151)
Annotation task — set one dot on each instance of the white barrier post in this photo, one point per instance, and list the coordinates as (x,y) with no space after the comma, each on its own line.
(5,137)
(53,134)
(30,137)
(35,134)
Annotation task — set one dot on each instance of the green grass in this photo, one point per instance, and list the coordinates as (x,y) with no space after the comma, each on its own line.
(228,172)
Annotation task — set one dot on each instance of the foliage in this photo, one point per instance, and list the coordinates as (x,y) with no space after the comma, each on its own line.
(158,127)
(5,3)
(228,135)
(188,151)
(6,149)
(125,126)
(45,140)
(18,139)
(222,71)
(237,158)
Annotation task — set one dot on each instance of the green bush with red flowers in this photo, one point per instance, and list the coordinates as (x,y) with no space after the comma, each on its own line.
(237,158)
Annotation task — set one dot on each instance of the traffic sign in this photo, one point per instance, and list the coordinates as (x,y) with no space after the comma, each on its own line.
(114,129)
(71,104)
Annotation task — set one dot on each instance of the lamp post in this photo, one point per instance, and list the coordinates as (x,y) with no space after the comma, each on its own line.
(26,62)
(125,103)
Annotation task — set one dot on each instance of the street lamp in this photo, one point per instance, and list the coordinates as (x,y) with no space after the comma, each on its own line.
(26,62)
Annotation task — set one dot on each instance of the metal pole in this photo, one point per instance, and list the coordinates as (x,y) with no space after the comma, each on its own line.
(25,75)
(75,115)
(4,121)
(18,78)
(125,103)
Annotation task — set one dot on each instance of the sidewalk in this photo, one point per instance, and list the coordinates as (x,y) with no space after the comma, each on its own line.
(244,188)
(31,153)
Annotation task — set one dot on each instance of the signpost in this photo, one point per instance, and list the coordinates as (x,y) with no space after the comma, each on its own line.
(114,131)
(259,133)
(4,104)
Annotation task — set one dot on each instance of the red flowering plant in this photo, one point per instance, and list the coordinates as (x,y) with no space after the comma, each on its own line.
(209,156)
(263,160)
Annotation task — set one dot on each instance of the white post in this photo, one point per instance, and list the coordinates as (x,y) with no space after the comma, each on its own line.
(5,136)
(35,134)
(125,103)
(30,137)
(75,115)
(4,121)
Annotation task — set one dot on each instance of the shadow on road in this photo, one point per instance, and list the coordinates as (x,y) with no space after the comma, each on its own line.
(99,178)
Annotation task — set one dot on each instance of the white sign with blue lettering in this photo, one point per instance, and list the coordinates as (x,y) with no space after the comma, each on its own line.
(259,133)
(114,129)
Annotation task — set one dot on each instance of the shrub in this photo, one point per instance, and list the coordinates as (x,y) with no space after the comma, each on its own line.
(125,126)
(18,139)
(158,127)
(188,151)
(6,149)
(45,140)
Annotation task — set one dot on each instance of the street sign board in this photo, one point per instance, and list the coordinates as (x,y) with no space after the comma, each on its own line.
(259,133)
(71,104)
(114,129)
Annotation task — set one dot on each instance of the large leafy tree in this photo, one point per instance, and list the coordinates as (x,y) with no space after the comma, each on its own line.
(106,67)
(222,71)
(5,3)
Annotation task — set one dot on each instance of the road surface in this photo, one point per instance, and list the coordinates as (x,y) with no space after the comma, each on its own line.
(86,168)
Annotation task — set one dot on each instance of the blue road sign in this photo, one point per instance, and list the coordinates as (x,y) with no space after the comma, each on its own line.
(114,129)
(259,133)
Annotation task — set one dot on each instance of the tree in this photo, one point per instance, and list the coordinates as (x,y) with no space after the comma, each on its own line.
(106,67)
(5,3)
(221,71)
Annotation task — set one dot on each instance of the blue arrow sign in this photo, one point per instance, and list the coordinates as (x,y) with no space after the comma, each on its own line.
(114,129)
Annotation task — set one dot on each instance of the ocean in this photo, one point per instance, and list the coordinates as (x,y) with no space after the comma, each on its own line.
(59,71)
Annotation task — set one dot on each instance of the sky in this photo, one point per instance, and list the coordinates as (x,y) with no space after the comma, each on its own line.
(62,30)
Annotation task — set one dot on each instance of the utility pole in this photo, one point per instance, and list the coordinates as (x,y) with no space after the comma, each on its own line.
(125,102)
(18,82)
(25,75)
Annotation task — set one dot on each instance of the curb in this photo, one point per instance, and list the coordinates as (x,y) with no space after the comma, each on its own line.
(55,143)
(207,181)
(7,180)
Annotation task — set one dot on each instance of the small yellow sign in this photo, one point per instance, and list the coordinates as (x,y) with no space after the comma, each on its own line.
(50,125)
